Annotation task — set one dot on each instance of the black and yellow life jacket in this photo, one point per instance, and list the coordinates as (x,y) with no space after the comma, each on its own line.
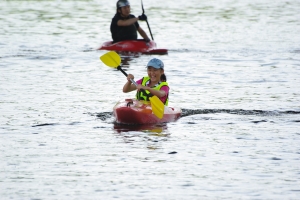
(145,95)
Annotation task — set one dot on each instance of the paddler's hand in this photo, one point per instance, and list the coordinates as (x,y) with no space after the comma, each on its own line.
(130,76)
(158,93)
(141,87)
(143,17)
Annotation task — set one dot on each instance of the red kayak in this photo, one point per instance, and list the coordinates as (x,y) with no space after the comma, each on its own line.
(132,111)
(139,46)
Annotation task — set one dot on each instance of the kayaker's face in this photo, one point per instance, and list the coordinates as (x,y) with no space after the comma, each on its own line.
(154,74)
(125,11)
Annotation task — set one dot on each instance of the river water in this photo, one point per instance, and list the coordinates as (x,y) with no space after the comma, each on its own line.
(233,67)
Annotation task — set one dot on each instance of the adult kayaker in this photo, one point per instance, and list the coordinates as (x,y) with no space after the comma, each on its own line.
(124,26)
(155,83)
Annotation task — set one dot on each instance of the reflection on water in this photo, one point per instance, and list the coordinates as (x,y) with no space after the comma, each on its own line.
(156,129)
(125,60)
(153,137)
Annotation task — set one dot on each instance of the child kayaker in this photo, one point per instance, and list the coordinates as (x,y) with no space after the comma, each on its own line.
(124,26)
(155,83)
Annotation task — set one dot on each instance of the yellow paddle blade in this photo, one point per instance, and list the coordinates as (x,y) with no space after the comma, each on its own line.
(158,107)
(111,59)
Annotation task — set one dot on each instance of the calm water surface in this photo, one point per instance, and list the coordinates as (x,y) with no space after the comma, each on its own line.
(233,67)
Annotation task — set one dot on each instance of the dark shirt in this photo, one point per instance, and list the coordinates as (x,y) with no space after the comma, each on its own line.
(120,33)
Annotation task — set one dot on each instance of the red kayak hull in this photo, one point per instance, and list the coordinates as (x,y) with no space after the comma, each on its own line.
(139,46)
(132,111)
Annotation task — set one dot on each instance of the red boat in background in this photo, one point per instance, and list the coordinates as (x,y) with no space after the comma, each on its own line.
(132,111)
(135,46)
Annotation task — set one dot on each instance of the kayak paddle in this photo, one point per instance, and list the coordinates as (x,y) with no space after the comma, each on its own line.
(147,20)
(112,59)
(153,51)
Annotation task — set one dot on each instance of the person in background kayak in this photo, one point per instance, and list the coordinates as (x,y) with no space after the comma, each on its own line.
(155,83)
(124,26)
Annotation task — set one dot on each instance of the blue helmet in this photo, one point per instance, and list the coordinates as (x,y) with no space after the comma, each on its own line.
(122,3)
(156,63)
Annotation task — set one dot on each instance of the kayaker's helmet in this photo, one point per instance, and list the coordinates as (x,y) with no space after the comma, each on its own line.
(122,3)
(156,63)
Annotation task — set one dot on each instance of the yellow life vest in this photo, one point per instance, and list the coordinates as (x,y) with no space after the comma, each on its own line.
(145,95)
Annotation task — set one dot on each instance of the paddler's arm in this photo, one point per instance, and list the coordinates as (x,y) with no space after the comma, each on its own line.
(129,86)
(158,93)
(131,21)
(143,34)
(127,22)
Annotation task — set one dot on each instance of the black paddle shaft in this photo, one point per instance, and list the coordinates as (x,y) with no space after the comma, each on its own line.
(120,68)
(147,20)
(132,81)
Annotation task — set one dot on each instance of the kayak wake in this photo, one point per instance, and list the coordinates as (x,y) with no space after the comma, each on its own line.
(189,112)
(109,117)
